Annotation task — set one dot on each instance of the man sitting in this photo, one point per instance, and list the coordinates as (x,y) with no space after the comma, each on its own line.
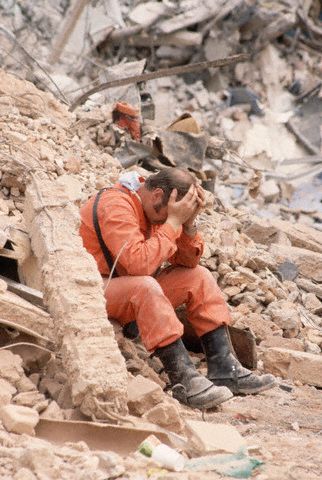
(143,224)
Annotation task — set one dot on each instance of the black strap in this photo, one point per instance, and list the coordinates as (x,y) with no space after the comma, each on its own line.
(105,250)
(107,254)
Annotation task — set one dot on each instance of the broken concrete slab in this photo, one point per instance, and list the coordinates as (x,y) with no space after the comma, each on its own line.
(15,309)
(10,367)
(309,263)
(166,415)
(73,292)
(6,392)
(285,314)
(18,419)
(297,366)
(143,394)
(265,231)
(211,437)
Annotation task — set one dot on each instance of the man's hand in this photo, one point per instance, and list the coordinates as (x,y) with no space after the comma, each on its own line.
(182,211)
(189,227)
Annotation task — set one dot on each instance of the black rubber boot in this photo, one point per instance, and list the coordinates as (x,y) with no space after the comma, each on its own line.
(224,368)
(187,384)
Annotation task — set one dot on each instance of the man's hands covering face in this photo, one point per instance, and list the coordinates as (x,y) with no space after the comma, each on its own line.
(185,211)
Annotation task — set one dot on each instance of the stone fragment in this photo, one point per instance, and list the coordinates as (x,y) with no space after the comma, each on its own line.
(6,392)
(269,190)
(214,437)
(314,336)
(261,328)
(264,231)
(25,385)
(281,342)
(143,394)
(19,419)
(297,366)
(309,263)
(311,347)
(311,302)
(167,415)
(24,474)
(64,399)
(10,366)
(53,411)
(32,399)
(72,164)
(285,314)
(34,378)
(50,386)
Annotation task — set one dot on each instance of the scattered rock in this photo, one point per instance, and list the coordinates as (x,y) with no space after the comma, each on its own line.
(53,411)
(298,366)
(143,394)
(10,367)
(6,392)
(167,415)
(19,419)
(208,437)
(286,316)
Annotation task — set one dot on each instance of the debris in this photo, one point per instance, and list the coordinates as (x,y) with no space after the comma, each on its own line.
(143,394)
(119,439)
(297,366)
(19,419)
(69,270)
(30,294)
(166,415)
(160,73)
(209,438)
(237,465)
(25,316)
(162,454)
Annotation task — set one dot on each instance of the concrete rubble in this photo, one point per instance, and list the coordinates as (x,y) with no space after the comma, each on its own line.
(61,359)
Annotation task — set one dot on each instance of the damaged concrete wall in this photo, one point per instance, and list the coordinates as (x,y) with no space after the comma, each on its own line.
(73,292)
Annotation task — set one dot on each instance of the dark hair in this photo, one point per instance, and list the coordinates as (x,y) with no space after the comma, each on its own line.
(168,179)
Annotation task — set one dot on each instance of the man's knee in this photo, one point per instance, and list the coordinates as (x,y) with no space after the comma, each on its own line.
(203,273)
(149,285)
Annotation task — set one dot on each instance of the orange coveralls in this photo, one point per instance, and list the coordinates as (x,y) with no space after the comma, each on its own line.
(139,293)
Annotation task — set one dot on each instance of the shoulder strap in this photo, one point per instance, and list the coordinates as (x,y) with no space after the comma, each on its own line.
(107,254)
(105,250)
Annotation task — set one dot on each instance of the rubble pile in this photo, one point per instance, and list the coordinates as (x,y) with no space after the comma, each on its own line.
(270,104)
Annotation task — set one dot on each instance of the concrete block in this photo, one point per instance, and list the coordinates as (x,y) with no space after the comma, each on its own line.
(297,366)
(50,386)
(25,385)
(6,392)
(10,366)
(53,412)
(214,437)
(143,394)
(29,399)
(167,415)
(73,294)
(18,419)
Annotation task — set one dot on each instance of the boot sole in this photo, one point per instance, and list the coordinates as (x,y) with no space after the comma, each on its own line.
(253,391)
(201,402)
(249,390)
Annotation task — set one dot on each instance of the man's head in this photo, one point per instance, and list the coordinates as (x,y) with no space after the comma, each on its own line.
(157,189)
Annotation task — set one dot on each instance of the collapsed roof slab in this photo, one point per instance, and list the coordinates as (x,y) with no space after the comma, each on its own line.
(73,293)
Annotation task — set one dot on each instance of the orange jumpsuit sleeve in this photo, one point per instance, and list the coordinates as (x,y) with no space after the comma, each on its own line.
(189,250)
(120,227)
